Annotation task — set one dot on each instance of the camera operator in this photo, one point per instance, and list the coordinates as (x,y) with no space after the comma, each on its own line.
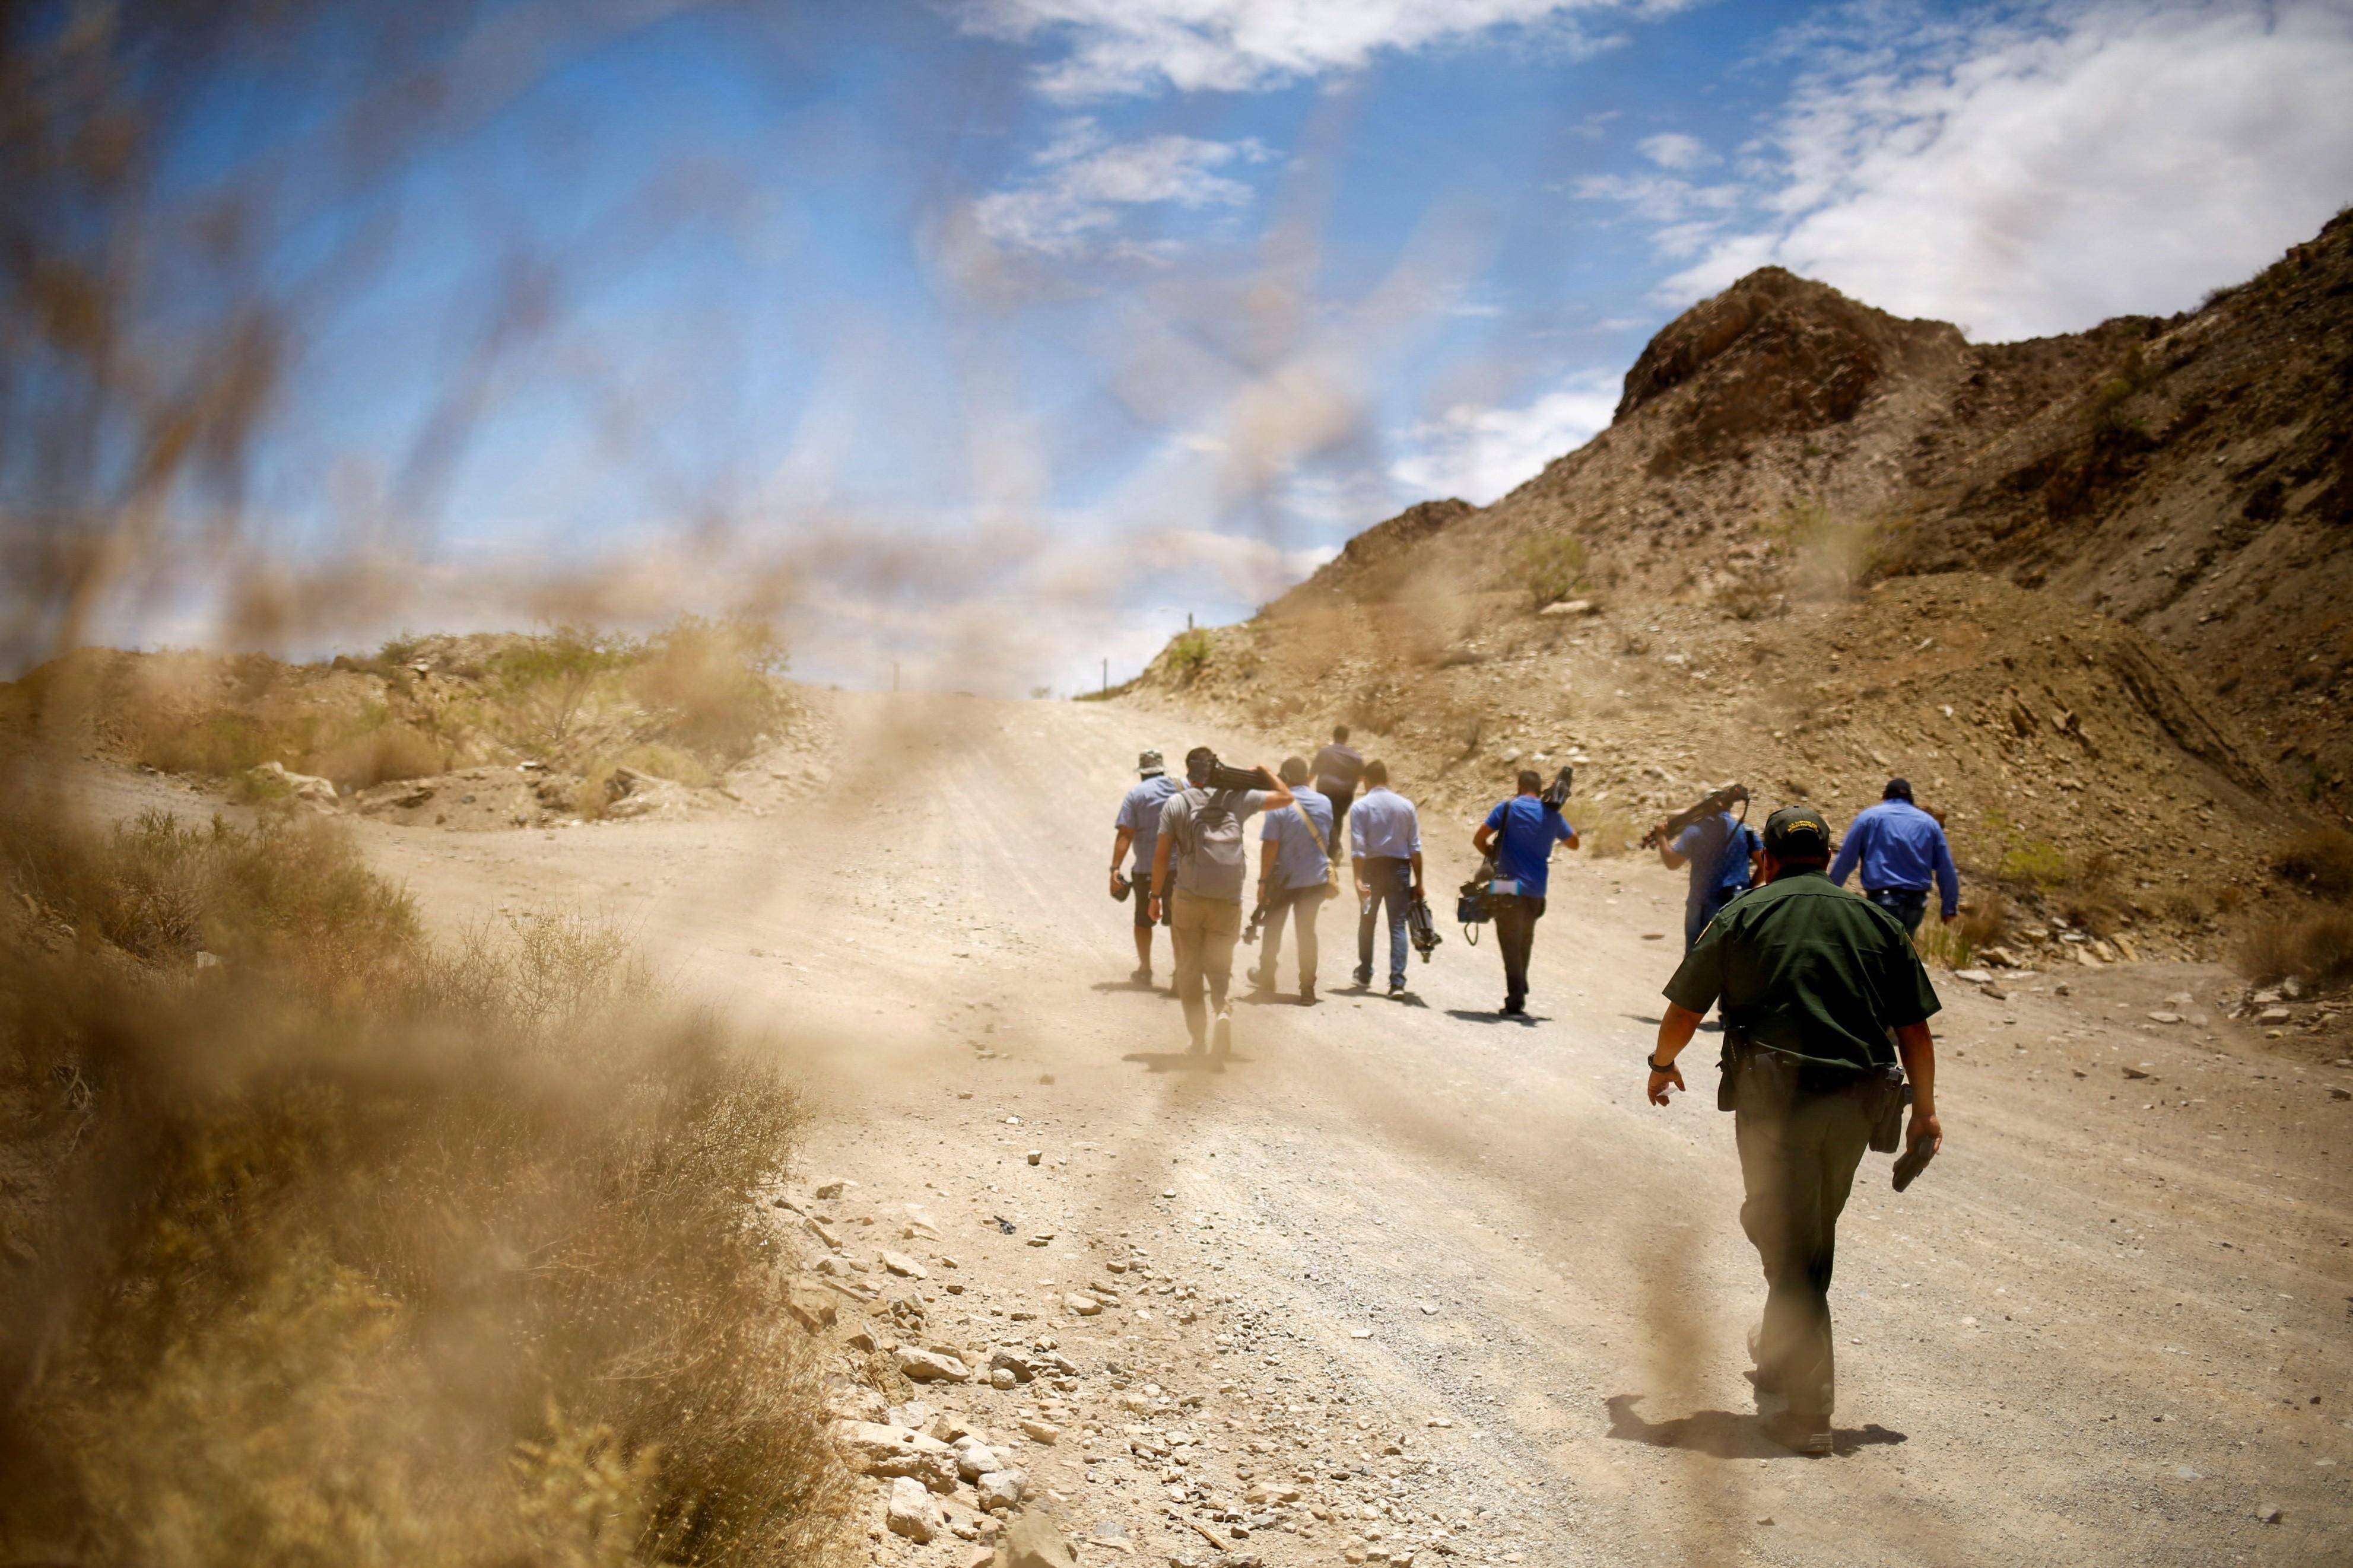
(1294,876)
(1138,827)
(1385,840)
(1198,867)
(1527,829)
(1722,852)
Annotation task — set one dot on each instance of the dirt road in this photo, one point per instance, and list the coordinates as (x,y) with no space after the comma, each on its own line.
(1403,1278)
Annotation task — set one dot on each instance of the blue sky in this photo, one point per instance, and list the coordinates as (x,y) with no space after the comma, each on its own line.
(993,337)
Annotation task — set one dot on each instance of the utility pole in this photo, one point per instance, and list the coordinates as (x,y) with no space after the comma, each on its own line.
(1188,620)
(1106,675)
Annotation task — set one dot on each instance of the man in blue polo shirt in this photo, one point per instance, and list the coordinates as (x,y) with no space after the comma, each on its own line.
(1721,851)
(1900,848)
(1138,827)
(1523,863)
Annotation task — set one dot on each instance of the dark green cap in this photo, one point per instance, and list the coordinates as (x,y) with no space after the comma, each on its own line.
(1797,832)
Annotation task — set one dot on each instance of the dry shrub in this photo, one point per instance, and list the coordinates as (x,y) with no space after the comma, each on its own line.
(390,752)
(665,761)
(2320,859)
(1607,828)
(2314,945)
(348,1250)
(711,684)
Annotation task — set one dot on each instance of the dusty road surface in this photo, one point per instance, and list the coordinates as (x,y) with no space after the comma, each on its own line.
(1401,1281)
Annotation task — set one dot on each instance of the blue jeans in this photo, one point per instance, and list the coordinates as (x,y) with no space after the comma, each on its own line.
(1909,905)
(1391,878)
(1696,916)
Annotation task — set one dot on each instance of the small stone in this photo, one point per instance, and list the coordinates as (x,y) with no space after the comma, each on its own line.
(2269,1513)
(831,1189)
(814,1310)
(1974,976)
(1035,1156)
(2273,1016)
(931,1366)
(878,1449)
(1034,1541)
(1996,992)
(2165,1017)
(1000,1490)
(974,1457)
(2336,1093)
(1039,1431)
(1003,1378)
(1079,1304)
(1017,1363)
(2134,1072)
(904,1267)
(911,1512)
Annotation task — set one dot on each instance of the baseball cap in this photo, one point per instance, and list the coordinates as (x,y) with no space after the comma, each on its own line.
(1797,832)
(1148,762)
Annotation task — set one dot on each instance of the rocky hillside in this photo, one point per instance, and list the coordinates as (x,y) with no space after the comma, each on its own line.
(2090,593)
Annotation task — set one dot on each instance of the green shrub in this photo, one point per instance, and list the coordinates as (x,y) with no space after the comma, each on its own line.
(1552,566)
(1188,653)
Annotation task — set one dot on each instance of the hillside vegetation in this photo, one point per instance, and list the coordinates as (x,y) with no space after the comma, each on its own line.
(325,1245)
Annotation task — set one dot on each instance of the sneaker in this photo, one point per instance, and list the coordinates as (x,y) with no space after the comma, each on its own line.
(1222,1033)
(1307,993)
(1364,974)
(1513,1010)
(1807,1435)
(1397,985)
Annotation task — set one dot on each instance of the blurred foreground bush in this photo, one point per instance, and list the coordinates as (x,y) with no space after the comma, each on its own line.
(327,1247)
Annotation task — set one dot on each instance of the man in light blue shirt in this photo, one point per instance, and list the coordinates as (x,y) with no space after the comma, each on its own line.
(1138,829)
(1385,844)
(1900,848)
(1722,853)
(1294,876)
(1529,829)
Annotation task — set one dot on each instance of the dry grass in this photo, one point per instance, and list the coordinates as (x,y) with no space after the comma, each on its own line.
(2314,945)
(347,1250)
(2319,858)
(1607,828)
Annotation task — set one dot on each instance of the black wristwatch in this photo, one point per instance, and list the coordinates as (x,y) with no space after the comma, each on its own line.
(1656,1065)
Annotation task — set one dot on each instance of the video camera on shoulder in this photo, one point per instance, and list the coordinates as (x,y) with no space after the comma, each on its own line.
(1555,795)
(1222,776)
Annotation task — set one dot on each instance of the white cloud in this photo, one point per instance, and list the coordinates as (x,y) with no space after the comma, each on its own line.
(1115,48)
(1073,204)
(2029,175)
(1479,453)
(1673,150)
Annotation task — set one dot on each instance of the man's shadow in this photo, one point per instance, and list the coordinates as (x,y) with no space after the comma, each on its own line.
(1723,1434)
(1184,1061)
(1488,1016)
(1381,993)
(1141,986)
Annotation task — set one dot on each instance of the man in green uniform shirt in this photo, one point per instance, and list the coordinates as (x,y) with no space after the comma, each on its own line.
(1813,982)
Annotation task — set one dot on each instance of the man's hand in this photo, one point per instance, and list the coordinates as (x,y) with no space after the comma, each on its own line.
(1114,881)
(1950,918)
(1924,1129)
(1416,889)
(1152,911)
(1660,1080)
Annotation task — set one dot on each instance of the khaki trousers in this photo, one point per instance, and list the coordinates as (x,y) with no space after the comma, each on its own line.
(1797,1162)
(1204,931)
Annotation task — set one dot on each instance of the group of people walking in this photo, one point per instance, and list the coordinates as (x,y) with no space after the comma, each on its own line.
(1824,998)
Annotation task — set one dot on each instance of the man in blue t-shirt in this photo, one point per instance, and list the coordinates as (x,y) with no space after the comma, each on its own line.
(1722,854)
(1528,828)
(1294,876)
(1138,827)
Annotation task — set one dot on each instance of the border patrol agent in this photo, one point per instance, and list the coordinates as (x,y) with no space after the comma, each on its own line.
(1813,982)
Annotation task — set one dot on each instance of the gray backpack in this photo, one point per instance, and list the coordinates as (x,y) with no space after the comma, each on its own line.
(1216,854)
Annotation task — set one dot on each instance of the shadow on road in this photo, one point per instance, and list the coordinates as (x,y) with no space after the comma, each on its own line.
(1140,985)
(1184,1061)
(1489,1016)
(1723,1434)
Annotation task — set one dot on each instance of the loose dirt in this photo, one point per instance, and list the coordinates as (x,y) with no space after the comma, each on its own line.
(1403,1281)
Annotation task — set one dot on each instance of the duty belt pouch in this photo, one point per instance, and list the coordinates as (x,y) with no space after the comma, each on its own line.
(1734,1062)
(1889,1095)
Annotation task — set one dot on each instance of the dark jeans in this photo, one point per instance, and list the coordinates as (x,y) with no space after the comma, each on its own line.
(1340,797)
(1906,904)
(1391,878)
(1797,1162)
(1303,904)
(1515,934)
(1696,916)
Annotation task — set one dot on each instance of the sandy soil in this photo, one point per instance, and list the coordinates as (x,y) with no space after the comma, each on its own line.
(1422,1281)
